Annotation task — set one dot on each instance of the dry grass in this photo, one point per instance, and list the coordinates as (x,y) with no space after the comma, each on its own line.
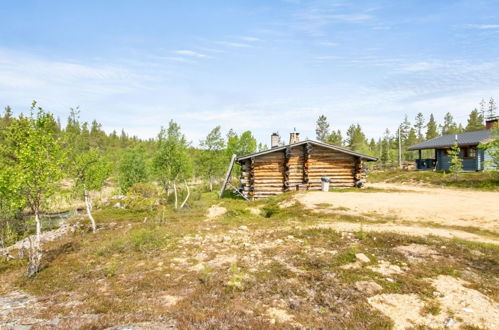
(237,270)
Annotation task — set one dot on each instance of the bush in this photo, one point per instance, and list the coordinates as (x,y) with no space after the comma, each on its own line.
(146,190)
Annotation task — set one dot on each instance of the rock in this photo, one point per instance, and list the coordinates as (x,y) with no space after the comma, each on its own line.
(118,205)
(449,322)
(243,227)
(362,257)
(368,287)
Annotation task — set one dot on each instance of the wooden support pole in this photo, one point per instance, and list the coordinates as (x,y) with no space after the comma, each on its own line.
(227,175)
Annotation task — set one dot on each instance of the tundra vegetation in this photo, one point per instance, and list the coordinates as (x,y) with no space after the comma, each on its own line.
(154,246)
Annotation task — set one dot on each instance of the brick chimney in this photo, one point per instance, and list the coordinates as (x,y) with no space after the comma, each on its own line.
(274,140)
(491,122)
(294,137)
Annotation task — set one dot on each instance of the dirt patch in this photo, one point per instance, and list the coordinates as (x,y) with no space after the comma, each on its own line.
(448,207)
(385,268)
(458,306)
(417,252)
(279,315)
(368,287)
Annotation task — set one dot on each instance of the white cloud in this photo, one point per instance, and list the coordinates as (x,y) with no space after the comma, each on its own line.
(328,43)
(234,44)
(250,39)
(190,53)
(484,26)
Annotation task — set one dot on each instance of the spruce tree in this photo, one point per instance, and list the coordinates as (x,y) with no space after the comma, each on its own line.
(419,125)
(475,121)
(431,128)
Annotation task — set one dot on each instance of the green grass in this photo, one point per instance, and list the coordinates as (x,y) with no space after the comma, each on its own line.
(486,180)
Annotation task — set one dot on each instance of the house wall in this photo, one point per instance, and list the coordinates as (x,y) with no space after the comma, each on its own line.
(337,166)
(469,164)
(487,161)
(265,175)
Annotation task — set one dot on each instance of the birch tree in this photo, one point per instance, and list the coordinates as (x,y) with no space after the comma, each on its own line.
(213,157)
(89,171)
(36,164)
(172,163)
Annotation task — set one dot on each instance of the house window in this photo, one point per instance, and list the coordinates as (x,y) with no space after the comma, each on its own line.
(470,153)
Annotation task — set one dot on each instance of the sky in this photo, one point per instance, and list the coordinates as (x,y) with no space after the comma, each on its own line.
(263,66)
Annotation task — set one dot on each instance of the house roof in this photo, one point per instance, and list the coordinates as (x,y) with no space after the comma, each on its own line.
(313,142)
(448,140)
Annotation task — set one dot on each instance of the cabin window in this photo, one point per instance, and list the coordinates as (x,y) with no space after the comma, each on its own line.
(469,153)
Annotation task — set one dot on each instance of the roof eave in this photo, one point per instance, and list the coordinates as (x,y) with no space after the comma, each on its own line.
(350,152)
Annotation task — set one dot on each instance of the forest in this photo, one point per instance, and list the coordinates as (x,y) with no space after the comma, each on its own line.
(43,160)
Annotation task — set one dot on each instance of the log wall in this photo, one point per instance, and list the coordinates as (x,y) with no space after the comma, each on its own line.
(299,168)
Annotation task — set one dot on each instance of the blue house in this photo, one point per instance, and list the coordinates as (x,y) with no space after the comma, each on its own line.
(474,158)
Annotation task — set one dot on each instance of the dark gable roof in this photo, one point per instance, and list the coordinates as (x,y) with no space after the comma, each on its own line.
(463,139)
(317,143)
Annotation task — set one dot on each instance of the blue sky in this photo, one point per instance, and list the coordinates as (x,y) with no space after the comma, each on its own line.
(259,65)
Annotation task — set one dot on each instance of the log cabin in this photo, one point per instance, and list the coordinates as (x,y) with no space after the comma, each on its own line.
(300,165)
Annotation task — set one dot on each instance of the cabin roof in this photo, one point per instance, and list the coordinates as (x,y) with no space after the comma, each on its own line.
(463,139)
(313,142)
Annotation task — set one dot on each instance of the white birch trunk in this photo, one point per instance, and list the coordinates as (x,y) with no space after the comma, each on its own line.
(211,183)
(188,194)
(35,256)
(88,204)
(175,192)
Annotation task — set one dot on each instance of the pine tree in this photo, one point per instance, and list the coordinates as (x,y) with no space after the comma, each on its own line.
(356,138)
(483,108)
(491,111)
(475,121)
(431,128)
(419,125)
(322,129)
(411,140)
(449,126)
(385,147)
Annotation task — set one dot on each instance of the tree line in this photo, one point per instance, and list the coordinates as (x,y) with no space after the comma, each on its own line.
(386,148)
(38,154)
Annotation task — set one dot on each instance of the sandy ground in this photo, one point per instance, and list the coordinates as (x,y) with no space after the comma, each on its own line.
(449,207)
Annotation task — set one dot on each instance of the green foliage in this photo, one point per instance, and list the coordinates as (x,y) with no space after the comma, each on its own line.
(240,145)
(322,129)
(449,126)
(419,125)
(212,158)
(356,140)
(90,170)
(455,160)
(146,190)
(491,147)
(172,161)
(431,128)
(475,121)
(35,156)
(133,169)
